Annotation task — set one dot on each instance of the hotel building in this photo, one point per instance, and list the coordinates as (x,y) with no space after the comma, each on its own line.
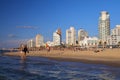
(104,26)
(30,43)
(82,34)
(71,36)
(39,40)
(114,38)
(57,37)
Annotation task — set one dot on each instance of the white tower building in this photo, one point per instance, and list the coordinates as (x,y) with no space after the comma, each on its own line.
(31,43)
(57,37)
(39,40)
(82,34)
(71,36)
(104,26)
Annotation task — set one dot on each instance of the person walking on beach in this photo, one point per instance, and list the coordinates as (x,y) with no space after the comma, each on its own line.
(24,51)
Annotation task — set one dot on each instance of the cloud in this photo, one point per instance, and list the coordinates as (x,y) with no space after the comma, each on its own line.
(12,35)
(20,41)
(27,27)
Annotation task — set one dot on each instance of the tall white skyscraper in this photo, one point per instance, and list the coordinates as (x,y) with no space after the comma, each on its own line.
(82,34)
(39,40)
(57,37)
(104,26)
(71,36)
(31,43)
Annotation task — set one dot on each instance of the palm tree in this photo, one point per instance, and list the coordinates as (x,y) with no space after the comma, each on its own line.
(100,43)
(105,44)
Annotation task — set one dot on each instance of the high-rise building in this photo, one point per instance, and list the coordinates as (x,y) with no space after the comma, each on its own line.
(114,38)
(57,37)
(82,34)
(116,30)
(39,40)
(104,26)
(71,36)
(31,43)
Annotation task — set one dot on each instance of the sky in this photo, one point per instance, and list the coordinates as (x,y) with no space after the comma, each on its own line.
(21,20)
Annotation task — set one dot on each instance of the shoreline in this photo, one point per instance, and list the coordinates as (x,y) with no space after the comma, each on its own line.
(109,57)
(109,63)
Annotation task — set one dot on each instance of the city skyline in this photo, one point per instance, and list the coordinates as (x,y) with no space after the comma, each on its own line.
(21,20)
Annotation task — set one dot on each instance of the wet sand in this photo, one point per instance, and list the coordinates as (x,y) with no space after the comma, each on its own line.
(108,56)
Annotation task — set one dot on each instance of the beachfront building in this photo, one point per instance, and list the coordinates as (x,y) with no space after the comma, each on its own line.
(116,30)
(71,36)
(114,38)
(39,40)
(82,34)
(89,42)
(30,43)
(57,37)
(104,26)
(50,43)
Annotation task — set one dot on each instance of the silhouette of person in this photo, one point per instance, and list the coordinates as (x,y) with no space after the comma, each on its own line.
(25,50)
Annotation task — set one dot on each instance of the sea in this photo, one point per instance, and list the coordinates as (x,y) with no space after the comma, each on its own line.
(38,68)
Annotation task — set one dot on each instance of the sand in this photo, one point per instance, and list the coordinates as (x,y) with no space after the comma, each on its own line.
(108,56)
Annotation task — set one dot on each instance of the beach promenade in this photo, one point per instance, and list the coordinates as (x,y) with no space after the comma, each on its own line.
(108,56)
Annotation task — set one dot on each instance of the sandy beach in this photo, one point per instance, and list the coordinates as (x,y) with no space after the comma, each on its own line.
(108,56)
